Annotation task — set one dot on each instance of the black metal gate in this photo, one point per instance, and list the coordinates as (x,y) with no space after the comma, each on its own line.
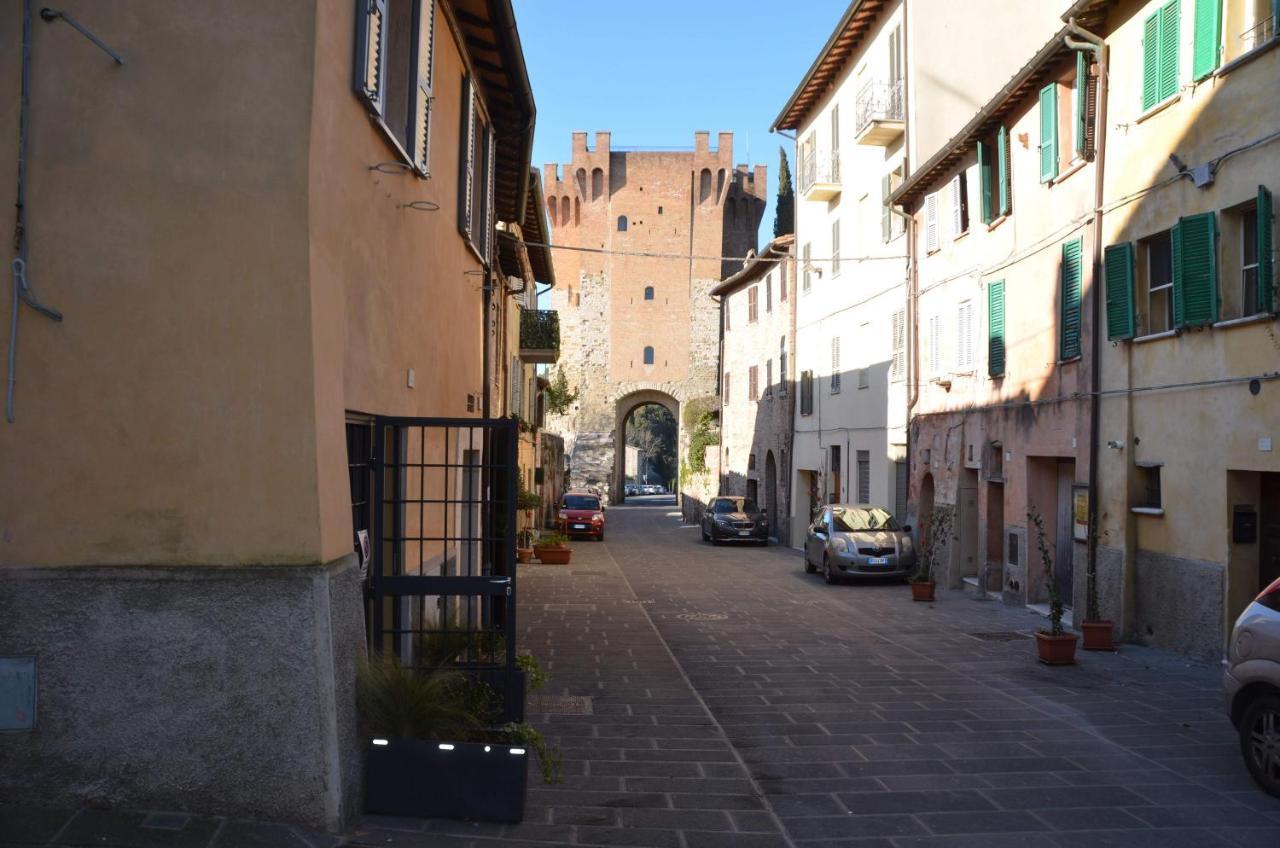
(442,579)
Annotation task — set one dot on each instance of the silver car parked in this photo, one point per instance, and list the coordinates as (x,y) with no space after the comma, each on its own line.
(858,540)
(1252,683)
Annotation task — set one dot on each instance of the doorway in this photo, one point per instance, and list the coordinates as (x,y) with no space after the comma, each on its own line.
(771,493)
(993,576)
(967,503)
(1064,553)
(1269,530)
(753,491)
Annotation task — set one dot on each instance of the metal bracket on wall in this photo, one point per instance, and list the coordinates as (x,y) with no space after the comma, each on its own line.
(50,15)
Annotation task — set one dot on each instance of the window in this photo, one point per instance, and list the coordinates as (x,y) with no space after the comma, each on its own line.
(648,356)
(931,223)
(659,210)
(475,173)
(1257,282)
(622,223)
(964,337)
(1049,132)
(753,383)
(1247,25)
(394,41)
(806,392)
(1249,260)
(985,183)
(768,378)
(959,204)
(768,293)
(1159,283)
(835,247)
(805,254)
(648,292)
(835,473)
(1004,185)
(897,368)
(864,476)
(1195,270)
(751,463)
(782,366)
(1148,494)
(1085,99)
(1070,295)
(1160,55)
(753,305)
(1117,264)
(725,388)
(835,365)
(995,328)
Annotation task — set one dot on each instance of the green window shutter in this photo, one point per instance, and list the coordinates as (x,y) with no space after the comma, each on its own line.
(1082,103)
(1266,267)
(1195,271)
(1002,166)
(1169,16)
(1118,261)
(1048,132)
(995,328)
(1208,39)
(1151,61)
(1069,323)
(984,180)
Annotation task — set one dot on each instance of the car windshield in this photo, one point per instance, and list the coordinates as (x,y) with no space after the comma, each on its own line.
(849,520)
(727,505)
(581,502)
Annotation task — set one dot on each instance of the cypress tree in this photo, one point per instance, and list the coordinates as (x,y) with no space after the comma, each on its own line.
(784,220)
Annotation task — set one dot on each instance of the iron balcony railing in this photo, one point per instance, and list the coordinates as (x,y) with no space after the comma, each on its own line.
(819,166)
(1257,35)
(540,330)
(879,101)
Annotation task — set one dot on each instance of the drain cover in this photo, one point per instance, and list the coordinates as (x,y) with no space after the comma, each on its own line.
(1001,636)
(561,704)
(703,616)
(569,607)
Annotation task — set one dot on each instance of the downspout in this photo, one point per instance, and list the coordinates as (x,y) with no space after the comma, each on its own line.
(1095,45)
(912,336)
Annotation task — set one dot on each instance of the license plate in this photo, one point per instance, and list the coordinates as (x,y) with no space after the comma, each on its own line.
(579,527)
(878,561)
(744,532)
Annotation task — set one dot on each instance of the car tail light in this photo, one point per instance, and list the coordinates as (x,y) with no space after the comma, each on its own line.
(1270,596)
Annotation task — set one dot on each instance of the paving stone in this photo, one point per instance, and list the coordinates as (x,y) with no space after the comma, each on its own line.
(982,822)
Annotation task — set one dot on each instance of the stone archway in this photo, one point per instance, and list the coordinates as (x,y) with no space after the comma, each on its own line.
(623,408)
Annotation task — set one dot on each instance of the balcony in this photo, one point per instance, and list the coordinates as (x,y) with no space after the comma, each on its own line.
(880,114)
(820,175)
(539,336)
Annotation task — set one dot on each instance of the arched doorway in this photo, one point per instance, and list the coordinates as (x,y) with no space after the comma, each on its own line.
(649,422)
(771,493)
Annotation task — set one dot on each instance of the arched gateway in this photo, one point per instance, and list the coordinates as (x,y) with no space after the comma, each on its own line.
(624,407)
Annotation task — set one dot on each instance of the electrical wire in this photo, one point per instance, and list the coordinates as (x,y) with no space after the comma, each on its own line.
(662,255)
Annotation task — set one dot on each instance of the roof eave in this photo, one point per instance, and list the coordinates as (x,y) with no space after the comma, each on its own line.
(790,123)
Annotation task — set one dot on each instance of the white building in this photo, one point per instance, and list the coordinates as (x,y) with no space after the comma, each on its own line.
(850,421)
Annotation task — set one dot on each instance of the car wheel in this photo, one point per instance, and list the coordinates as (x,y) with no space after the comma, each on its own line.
(827,573)
(705,536)
(600,536)
(808,566)
(1260,741)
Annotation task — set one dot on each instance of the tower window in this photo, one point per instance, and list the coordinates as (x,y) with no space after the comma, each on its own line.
(648,292)
(622,223)
(659,210)
(648,355)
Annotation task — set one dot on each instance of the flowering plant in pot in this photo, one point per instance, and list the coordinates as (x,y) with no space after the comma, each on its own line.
(553,549)
(937,536)
(1055,646)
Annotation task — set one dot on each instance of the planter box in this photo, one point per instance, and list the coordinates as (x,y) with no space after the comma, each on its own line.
(1097,635)
(470,781)
(1056,650)
(524,554)
(922,591)
(553,556)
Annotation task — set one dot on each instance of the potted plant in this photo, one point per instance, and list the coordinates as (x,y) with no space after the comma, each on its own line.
(524,545)
(1097,630)
(552,549)
(937,536)
(435,749)
(1055,646)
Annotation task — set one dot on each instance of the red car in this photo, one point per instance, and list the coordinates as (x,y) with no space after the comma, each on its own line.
(582,514)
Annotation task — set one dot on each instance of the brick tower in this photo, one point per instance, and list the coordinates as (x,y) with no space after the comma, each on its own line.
(635,328)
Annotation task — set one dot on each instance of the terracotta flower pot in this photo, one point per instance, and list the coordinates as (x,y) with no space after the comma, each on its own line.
(553,556)
(1097,635)
(524,554)
(1056,650)
(922,590)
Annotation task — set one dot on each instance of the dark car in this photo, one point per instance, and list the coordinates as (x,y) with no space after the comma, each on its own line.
(582,514)
(729,519)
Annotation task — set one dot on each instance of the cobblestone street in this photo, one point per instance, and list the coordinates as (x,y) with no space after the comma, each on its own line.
(736,701)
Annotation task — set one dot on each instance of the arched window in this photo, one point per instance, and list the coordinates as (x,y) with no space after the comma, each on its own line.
(564,211)
(577,211)
(648,356)
(552,206)
(581,176)
(704,185)
(622,223)
(719,183)
(597,183)
(648,292)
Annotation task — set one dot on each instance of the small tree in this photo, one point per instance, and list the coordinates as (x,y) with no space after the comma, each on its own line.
(784,219)
(1046,560)
(558,394)
(936,538)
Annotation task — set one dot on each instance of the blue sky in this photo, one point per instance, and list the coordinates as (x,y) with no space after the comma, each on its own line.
(653,72)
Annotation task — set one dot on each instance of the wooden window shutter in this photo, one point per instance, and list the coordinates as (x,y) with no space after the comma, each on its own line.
(899,327)
(931,223)
(371,50)
(1151,61)
(957,203)
(1069,321)
(491,176)
(1002,164)
(1266,264)
(1118,262)
(466,158)
(1208,38)
(1169,16)
(420,114)
(1195,270)
(1048,132)
(984,181)
(995,328)
(1084,100)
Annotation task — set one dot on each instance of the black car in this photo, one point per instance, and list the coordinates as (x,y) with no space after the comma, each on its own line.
(729,519)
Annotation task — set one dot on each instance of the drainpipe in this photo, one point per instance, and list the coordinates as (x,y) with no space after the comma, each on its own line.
(1094,44)
(911,331)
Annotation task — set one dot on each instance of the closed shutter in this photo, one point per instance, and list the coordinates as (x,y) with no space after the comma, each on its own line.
(864,476)
(984,180)
(1048,132)
(935,344)
(1208,38)
(957,207)
(371,50)
(1151,61)
(1002,164)
(899,344)
(1195,271)
(1169,16)
(1266,264)
(1082,139)
(886,216)
(466,158)
(1118,261)
(1069,332)
(420,115)
(995,328)
(490,175)
(835,364)
(931,223)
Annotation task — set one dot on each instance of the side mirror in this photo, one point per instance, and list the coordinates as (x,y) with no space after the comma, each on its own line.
(906,528)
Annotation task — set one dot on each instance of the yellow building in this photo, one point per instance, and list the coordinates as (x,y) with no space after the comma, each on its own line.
(261,232)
